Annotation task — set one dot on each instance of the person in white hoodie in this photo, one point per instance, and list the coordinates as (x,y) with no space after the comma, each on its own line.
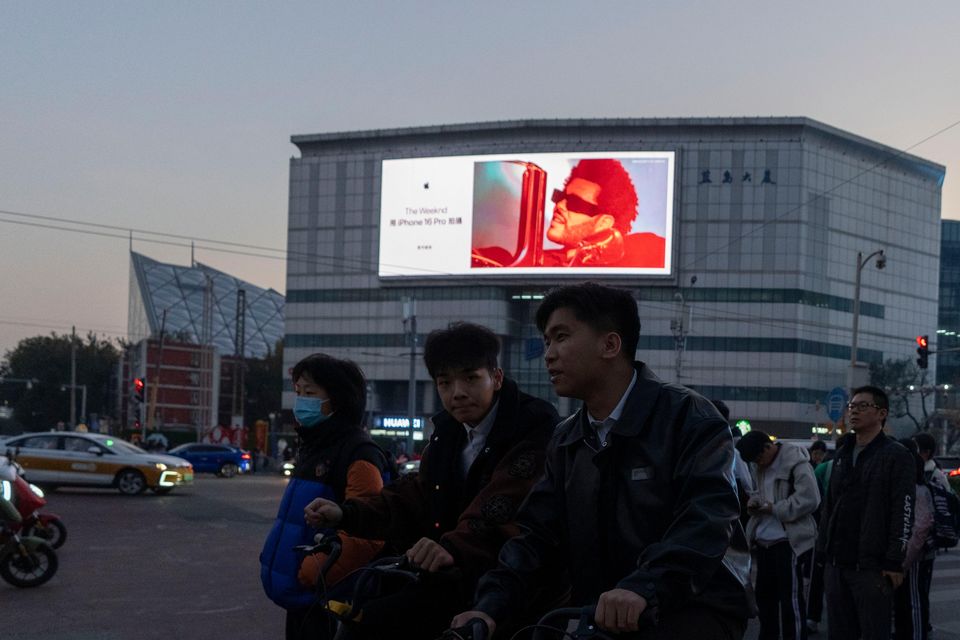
(781,530)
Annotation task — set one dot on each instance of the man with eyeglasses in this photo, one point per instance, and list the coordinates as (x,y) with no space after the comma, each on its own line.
(593,217)
(866,522)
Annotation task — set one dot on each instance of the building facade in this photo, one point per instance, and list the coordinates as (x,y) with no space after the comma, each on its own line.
(948,331)
(755,306)
(192,330)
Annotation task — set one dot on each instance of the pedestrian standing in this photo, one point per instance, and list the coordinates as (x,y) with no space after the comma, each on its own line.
(814,565)
(866,522)
(932,475)
(781,531)
(337,460)
(910,618)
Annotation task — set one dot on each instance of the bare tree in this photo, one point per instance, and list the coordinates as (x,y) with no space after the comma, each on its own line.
(906,387)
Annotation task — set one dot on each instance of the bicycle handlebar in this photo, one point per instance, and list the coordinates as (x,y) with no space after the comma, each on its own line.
(474,629)
(329,544)
(587,627)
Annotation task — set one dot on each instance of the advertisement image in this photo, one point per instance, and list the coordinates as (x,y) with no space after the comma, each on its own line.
(547,214)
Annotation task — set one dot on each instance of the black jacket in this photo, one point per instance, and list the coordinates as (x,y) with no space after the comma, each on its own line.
(653,512)
(326,451)
(473,516)
(867,514)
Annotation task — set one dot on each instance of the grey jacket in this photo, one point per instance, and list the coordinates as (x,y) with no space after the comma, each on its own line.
(795,498)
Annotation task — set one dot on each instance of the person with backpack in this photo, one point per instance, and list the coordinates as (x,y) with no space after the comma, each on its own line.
(910,617)
(781,530)
(486,452)
(336,460)
(931,472)
(946,511)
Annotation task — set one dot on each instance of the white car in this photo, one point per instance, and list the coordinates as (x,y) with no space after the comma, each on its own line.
(58,458)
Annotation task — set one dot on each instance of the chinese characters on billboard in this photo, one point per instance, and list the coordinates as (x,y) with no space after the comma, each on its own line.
(547,214)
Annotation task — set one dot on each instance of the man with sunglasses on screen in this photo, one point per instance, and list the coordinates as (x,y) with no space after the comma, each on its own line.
(865,522)
(592,220)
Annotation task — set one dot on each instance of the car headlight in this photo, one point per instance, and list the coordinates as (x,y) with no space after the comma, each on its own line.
(160,466)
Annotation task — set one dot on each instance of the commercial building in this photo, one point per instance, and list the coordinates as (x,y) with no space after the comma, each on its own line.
(750,228)
(947,340)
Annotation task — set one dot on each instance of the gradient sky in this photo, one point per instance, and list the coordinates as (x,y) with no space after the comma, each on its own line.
(176,116)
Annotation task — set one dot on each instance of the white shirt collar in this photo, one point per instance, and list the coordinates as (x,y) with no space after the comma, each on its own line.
(617,410)
(483,429)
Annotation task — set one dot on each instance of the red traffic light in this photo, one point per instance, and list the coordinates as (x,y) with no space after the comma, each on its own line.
(138,385)
(922,341)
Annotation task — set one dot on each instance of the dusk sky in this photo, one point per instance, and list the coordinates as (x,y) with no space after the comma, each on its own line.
(176,117)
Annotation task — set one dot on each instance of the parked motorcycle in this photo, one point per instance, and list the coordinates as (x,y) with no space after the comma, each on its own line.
(25,561)
(28,498)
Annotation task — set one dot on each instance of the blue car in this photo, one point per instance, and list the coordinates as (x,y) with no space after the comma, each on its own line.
(220,459)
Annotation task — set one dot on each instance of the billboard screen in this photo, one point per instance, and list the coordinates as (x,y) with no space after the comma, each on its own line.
(551,214)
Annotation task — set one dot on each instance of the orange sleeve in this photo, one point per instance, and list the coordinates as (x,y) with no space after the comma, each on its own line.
(363,479)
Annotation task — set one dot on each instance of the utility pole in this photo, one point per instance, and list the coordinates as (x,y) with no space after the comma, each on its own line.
(680,328)
(410,321)
(155,384)
(73,378)
(239,365)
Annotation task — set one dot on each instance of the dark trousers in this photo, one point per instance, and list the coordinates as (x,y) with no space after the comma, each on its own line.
(859,603)
(925,578)
(908,620)
(815,590)
(779,592)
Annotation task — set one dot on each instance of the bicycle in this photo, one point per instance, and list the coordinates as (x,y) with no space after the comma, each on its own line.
(586,628)
(366,589)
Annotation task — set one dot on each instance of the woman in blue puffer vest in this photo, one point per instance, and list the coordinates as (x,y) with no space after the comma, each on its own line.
(336,459)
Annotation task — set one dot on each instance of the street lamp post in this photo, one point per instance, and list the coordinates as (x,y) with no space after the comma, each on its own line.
(410,321)
(861,263)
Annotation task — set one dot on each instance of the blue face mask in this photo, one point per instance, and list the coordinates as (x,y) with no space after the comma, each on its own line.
(308,411)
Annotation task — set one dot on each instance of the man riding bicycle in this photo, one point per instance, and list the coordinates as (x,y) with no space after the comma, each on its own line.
(638,502)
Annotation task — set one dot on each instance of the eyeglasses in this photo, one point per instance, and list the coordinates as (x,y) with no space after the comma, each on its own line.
(574,202)
(862,406)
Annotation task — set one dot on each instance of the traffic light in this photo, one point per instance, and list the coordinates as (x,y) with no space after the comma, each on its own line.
(923,352)
(138,386)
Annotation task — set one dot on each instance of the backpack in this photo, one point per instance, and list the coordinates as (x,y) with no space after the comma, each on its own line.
(945,533)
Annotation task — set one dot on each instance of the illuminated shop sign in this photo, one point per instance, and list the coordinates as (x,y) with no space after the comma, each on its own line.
(397,427)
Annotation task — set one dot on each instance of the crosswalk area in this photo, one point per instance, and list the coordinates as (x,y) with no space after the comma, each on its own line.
(945,596)
(944,601)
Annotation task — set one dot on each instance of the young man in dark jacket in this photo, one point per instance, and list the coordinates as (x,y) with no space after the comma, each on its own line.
(638,500)
(865,522)
(486,452)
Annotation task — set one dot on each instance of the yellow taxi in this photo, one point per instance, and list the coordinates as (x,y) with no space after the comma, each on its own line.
(94,460)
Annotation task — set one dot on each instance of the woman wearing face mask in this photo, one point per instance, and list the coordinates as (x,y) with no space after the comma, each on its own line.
(336,459)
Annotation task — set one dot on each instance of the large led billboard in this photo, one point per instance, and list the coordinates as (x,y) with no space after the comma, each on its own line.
(528,214)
